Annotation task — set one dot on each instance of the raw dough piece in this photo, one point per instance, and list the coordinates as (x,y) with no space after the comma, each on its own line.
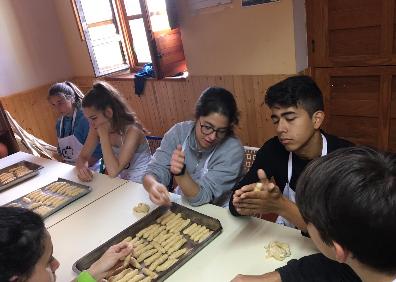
(178,253)
(166,265)
(147,254)
(150,273)
(259,187)
(157,262)
(142,208)
(165,215)
(147,279)
(278,250)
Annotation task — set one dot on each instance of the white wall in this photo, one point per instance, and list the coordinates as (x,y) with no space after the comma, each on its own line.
(32,46)
(300,34)
(239,40)
(257,40)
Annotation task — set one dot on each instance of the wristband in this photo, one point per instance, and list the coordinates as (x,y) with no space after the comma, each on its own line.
(183,170)
(85,276)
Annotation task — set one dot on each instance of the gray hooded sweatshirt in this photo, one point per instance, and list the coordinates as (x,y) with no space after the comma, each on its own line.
(223,163)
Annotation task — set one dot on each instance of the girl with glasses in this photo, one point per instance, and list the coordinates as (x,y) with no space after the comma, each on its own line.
(203,156)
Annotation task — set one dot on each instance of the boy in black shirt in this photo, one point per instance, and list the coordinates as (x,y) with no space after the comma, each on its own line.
(297,108)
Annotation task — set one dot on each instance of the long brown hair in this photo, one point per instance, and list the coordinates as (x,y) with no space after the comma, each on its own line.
(103,95)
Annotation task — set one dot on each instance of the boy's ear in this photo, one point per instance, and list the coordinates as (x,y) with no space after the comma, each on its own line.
(341,254)
(108,112)
(317,119)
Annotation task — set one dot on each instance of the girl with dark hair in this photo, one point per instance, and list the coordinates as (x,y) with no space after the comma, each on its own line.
(203,155)
(26,251)
(125,149)
(72,127)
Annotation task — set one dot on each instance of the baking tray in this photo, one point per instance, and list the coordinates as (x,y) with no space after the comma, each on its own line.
(68,199)
(212,223)
(32,166)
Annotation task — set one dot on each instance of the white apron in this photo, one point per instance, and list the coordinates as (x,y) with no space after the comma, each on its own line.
(198,174)
(287,191)
(69,146)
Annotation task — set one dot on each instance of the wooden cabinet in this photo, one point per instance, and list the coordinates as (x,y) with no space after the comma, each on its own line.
(6,134)
(351,33)
(360,104)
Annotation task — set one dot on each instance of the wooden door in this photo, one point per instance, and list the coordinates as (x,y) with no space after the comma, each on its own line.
(351,33)
(358,104)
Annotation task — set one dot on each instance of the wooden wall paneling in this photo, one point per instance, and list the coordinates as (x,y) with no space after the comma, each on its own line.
(351,33)
(322,79)
(240,130)
(385,98)
(162,104)
(248,90)
(151,105)
(359,98)
(33,112)
(388,35)
(392,131)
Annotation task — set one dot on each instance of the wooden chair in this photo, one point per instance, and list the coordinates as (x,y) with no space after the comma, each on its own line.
(154,142)
(250,156)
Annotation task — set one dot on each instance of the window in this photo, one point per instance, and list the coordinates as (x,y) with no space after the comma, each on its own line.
(125,34)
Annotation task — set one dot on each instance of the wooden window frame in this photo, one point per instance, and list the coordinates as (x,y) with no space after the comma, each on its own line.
(122,25)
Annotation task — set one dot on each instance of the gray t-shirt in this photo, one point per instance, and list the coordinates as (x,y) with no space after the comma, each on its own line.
(223,167)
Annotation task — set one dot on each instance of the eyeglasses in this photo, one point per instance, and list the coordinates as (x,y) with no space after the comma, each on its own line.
(207,130)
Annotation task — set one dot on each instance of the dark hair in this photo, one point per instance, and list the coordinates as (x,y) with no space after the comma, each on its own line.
(22,235)
(103,95)
(296,91)
(218,100)
(350,197)
(69,90)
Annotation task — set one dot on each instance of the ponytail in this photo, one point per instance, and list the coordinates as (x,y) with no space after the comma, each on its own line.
(69,90)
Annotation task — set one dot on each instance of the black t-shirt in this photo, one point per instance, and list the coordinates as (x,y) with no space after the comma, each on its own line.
(272,157)
(316,268)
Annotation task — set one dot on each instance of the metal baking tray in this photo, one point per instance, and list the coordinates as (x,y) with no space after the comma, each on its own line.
(32,166)
(69,199)
(212,223)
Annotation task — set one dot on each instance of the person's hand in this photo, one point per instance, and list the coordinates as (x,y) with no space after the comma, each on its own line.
(103,129)
(102,267)
(249,201)
(177,160)
(159,194)
(268,277)
(84,173)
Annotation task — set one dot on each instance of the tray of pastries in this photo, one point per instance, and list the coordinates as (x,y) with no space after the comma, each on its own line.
(162,241)
(17,172)
(52,197)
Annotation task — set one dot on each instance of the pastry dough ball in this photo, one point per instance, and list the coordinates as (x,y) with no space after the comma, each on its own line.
(142,208)
(278,250)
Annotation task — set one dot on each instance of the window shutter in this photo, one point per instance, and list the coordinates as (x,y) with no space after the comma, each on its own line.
(170,53)
(106,47)
(166,47)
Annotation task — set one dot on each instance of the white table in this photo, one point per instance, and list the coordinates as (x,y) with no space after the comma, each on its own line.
(238,249)
(51,171)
